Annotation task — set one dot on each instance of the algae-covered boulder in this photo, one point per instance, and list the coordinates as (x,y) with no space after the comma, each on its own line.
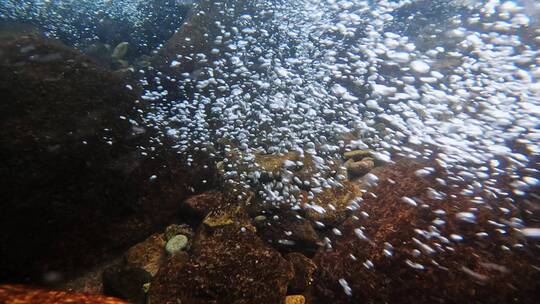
(417,241)
(76,178)
(229,264)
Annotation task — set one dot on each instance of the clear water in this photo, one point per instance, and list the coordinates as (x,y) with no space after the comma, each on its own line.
(451,85)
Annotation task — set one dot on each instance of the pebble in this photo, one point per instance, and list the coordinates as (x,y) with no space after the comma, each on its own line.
(295,299)
(176,244)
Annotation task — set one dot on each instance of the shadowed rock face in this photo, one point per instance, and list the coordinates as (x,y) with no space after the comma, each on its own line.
(228,265)
(75,185)
(458,264)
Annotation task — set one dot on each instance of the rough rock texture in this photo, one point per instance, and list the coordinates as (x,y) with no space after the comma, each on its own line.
(335,202)
(201,204)
(304,272)
(295,299)
(287,231)
(228,265)
(480,269)
(73,178)
(14,294)
(148,255)
(176,229)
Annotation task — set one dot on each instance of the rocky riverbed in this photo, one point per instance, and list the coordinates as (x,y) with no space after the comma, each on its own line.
(270,152)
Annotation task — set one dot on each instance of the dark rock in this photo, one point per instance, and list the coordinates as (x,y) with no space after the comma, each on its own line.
(304,272)
(228,265)
(393,252)
(359,168)
(126,283)
(201,204)
(74,181)
(287,231)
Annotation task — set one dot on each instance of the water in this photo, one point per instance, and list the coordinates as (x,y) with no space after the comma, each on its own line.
(441,97)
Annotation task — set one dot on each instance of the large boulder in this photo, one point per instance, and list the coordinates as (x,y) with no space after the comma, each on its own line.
(229,264)
(417,241)
(80,177)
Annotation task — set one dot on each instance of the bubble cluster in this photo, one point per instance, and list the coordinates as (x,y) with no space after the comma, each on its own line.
(318,77)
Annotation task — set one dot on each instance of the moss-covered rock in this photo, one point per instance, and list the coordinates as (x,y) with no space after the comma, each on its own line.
(228,265)
(393,251)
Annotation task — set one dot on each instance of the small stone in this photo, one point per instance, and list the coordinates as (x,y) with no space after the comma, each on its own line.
(357,154)
(120,50)
(176,244)
(146,287)
(295,299)
(260,218)
(359,168)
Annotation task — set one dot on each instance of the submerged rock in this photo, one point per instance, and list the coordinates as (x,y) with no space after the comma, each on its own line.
(407,244)
(331,206)
(120,50)
(75,176)
(228,265)
(304,272)
(201,204)
(359,168)
(176,244)
(176,229)
(287,231)
(128,284)
(296,299)
(357,155)
(148,255)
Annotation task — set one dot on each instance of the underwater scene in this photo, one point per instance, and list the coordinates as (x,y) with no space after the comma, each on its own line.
(269,151)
